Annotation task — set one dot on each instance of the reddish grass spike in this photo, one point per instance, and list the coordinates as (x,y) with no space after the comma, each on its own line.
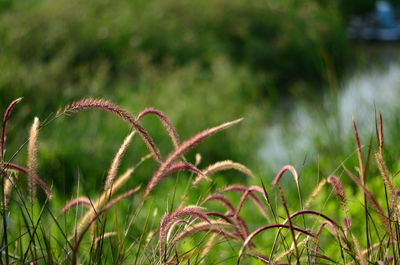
(222,166)
(312,212)
(6,116)
(283,170)
(247,194)
(168,220)
(222,199)
(267,227)
(38,180)
(213,227)
(347,225)
(165,121)
(359,155)
(181,150)
(126,116)
(181,166)
(375,204)
(322,225)
(78,201)
(252,196)
(178,166)
(338,188)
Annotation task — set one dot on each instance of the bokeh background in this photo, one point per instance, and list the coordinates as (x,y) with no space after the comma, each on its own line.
(288,67)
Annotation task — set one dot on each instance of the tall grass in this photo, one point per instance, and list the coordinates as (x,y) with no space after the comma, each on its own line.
(255,223)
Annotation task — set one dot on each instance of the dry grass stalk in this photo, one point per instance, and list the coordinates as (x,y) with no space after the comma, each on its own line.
(359,155)
(267,227)
(95,217)
(359,252)
(37,180)
(291,250)
(181,166)
(369,250)
(9,178)
(222,166)
(105,235)
(252,196)
(165,121)
(322,226)
(221,199)
(32,157)
(386,177)
(375,204)
(238,223)
(212,226)
(290,225)
(261,257)
(282,171)
(107,106)
(379,133)
(312,212)
(101,201)
(181,150)
(338,188)
(6,116)
(112,173)
(84,201)
(315,192)
(209,245)
(168,220)
(346,226)
(245,195)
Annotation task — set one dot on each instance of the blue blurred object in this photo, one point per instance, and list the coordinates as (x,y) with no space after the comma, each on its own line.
(385,14)
(381,25)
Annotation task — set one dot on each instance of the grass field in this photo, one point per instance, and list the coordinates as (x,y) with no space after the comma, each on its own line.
(186,212)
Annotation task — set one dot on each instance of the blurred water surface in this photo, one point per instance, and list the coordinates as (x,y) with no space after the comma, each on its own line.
(308,128)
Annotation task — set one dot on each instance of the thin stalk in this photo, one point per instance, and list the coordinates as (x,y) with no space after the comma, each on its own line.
(5,237)
(290,225)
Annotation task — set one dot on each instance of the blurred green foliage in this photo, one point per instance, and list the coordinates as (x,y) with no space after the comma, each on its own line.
(203,63)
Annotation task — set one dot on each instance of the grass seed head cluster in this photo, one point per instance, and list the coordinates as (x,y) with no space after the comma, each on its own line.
(297,234)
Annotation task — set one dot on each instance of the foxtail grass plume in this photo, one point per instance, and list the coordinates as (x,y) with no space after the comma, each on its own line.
(6,116)
(168,220)
(222,199)
(282,171)
(346,226)
(9,178)
(315,192)
(267,227)
(25,171)
(165,121)
(256,200)
(84,201)
(338,188)
(181,150)
(245,195)
(359,252)
(32,157)
(222,166)
(386,176)
(109,107)
(112,173)
(215,227)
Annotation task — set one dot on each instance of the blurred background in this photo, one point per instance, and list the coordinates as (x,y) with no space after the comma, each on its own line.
(297,71)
